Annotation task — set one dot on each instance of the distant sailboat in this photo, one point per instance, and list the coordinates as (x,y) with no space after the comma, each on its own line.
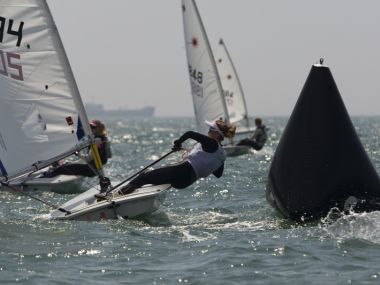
(42,117)
(206,87)
(233,91)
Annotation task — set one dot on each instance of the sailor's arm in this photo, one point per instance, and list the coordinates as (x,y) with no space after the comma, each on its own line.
(208,144)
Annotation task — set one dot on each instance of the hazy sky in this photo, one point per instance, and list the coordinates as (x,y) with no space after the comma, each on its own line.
(130,53)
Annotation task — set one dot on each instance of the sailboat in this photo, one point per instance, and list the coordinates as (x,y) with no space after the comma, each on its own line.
(42,117)
(233,95)
(206,87)
(233,90)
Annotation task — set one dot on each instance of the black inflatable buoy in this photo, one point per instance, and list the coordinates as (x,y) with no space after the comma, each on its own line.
(320,162)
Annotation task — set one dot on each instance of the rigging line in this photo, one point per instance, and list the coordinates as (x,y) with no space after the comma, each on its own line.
(36,168)
(15,189)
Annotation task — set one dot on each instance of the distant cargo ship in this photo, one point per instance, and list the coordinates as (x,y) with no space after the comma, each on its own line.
(94,109)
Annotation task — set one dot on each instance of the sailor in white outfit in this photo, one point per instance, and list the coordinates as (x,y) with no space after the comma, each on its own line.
(207,157)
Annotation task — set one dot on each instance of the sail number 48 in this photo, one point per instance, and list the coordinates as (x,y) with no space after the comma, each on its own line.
(196,75)
(196,82)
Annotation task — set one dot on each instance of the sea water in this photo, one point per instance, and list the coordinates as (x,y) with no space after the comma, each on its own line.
(217,231)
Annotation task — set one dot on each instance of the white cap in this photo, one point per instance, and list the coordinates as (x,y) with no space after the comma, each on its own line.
(214,126)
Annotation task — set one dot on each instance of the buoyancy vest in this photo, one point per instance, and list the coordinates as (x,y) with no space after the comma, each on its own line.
(261,135)
(204,163)
(105,149)
(108,148)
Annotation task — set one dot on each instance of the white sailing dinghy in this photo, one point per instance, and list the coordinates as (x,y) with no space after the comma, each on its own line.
(39,112)
(233,94)
(87,207)
(42,117)
(206,87)
(233,90)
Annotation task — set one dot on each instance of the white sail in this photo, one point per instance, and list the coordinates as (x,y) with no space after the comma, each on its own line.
(41,111)
(206,88)
(233,91)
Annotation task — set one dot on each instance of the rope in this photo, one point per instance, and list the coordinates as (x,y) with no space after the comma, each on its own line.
(35,198)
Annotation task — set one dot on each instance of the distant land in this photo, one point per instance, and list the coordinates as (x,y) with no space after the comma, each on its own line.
(94,109)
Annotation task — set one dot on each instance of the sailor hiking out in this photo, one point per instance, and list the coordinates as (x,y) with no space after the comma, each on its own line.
(207,157)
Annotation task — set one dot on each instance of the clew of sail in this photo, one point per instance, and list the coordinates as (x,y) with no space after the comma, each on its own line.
(206,88)
(233,91)
(42,117)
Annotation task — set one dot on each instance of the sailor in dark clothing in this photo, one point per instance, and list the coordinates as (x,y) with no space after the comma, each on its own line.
(258,138)
(207,157)
(87,169)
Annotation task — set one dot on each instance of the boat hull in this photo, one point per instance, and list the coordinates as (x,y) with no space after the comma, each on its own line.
(85,207)
(62,184)
(236,150)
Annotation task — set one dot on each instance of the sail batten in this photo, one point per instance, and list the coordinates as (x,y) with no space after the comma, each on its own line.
(41,111)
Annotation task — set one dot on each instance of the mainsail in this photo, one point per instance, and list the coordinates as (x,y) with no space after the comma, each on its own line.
(206,88)
(233,91)
(42,118)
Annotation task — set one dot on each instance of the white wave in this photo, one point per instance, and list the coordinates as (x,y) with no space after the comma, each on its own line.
(356,226)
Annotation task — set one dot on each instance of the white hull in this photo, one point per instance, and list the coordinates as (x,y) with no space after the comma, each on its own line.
(62,184)
(241,130)
(85,206)
(235,150)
